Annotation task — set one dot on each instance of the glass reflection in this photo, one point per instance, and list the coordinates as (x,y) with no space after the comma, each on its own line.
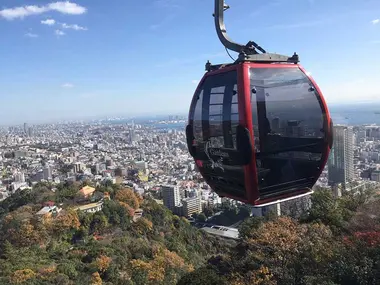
(289,130)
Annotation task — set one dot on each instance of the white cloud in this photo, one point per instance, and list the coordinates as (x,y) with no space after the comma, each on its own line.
(74,27)
(31,35)
(59,33)
(194,81)
(66,7)
(376,21)
(49,22)
(67,85)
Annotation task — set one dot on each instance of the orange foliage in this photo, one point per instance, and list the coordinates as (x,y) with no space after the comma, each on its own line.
(96,279)
(47,272)
(262,276)
(282,233)
(172,259)
(47,220)
(143,225)
(129,209)
(129,197)
(20,276)
(66,221)
(138,264)
(163,260)
(24,235)
(103,262)
(78,252)
(7,219)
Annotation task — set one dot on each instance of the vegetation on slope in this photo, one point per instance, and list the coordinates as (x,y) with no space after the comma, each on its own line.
(336,242)
(106,247)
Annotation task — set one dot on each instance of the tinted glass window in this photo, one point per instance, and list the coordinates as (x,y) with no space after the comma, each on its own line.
(288,125)
(214,124)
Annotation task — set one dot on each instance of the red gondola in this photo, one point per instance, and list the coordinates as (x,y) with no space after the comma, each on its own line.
(259,128)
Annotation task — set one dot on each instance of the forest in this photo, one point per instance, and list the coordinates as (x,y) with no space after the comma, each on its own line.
(337,241)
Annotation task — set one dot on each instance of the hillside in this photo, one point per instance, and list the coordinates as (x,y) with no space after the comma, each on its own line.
(337,242)
(112,246)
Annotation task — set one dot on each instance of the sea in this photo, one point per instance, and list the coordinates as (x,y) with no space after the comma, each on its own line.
(344,114)
(354,115)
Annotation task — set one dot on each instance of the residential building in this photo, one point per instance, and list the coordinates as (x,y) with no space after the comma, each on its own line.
(341,160)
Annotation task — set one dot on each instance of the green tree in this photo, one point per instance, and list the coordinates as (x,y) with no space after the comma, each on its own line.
(99,222)
(325,208)
(244,211)
(249,226)
(208,211)
(201,218)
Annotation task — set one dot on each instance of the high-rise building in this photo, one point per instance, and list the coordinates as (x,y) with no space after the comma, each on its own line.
(276,125)
(341,160)
(132,135)
(25,128)
(191,205)
(47,173)
(19,177)
(171,196)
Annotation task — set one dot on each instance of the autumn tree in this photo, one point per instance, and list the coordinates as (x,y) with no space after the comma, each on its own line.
(102,263)
(66,221)
(279,251)
(21,276)
(129,197)
(143,226)
(96,279)
(203,276)
(17,228)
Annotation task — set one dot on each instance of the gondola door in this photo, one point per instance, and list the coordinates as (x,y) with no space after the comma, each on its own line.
(289,118)
(213,123)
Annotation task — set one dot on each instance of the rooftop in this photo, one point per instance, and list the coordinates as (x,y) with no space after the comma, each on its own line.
(221,231)
(88,206)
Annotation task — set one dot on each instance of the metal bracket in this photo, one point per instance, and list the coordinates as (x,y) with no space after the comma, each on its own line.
(220,7)
(248,52)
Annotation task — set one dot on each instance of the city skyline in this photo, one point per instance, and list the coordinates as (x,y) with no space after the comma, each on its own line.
(72,59)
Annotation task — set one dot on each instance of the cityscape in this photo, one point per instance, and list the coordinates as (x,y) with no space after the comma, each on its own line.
(152,158)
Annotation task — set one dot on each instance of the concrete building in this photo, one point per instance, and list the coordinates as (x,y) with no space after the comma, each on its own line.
(191,205)
(19,177)
(341,160)
(171,196)
(47,173)
(91,208)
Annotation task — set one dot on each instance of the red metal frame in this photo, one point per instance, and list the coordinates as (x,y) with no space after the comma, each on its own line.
(245,119)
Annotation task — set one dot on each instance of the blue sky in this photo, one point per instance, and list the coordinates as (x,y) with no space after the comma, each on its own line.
(63,60)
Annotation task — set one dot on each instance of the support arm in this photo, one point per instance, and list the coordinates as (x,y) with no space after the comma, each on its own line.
(246,52)
(220,7)
(221,28)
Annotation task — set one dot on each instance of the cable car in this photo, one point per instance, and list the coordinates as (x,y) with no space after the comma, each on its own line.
(259,128)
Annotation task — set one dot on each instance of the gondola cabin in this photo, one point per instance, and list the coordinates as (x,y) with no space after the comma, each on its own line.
(259,132)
